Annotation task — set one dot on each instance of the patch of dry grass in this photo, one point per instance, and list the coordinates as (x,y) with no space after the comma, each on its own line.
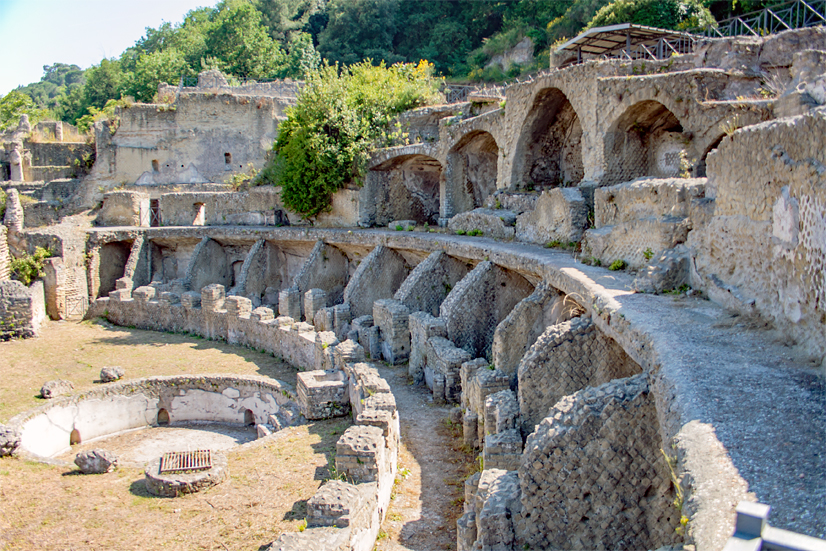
(77,351)
(52,507)
(49,507)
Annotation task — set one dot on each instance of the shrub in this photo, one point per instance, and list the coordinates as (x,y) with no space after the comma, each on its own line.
(29,267)
(340,114)
(617,265)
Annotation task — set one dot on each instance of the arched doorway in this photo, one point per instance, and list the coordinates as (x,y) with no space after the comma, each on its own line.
(646,140)
(550,146)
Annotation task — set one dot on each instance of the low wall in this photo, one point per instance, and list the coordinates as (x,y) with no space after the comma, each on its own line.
(110,409)
(22,309)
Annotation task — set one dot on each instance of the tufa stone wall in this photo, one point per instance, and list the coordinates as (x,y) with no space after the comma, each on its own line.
(566,358)
(593,475)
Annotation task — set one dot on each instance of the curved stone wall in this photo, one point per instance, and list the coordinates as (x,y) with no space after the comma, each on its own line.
(47,431)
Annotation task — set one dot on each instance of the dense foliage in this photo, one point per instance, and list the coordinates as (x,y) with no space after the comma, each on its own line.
(341,113)
(29,267)
(667,14)
(14,104)
(264,39)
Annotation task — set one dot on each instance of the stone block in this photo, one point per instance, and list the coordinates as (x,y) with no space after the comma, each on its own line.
(347,352)
(334,504)
(190,300)
(123,283)
(496,223)
(111,374)
(289,303)
(9,440)
(262,313)
(502,411)
(391,317)
(325,342)
(143,294)
(120,295)
(239,307)
(561,214)
(168,297)
(58,387)
(503,450)
(360,453)
(323,394)
(314,300)
(212,297)
(96,462)
(442,373)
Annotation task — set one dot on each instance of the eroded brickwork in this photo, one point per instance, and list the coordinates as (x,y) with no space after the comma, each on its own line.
(593,475)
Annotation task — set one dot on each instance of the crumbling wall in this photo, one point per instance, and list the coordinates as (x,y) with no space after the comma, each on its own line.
(378,276)
(403,188)
(639,220)
(326,268)
(430,282)
(22,309)
(593,475)
(124,208)
(207,266)
(256,207)
(764,248)
(567,357)
(478,303)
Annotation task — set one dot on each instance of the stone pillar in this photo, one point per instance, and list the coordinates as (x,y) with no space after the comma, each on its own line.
(314,300)
(58,131)
(212,298)
(360,453)
(422,327)
(14,210)
(391,317)
(16,160)
(289,303)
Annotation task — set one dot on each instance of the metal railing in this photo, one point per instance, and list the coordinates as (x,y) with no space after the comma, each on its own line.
(782,17)
(664,49)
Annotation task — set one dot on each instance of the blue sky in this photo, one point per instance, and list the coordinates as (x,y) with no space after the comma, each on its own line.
(34,33)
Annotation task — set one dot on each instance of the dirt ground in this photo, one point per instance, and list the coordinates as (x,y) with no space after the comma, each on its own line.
(53,507)
(433,466)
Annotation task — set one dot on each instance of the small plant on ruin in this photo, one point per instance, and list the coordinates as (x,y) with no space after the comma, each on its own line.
(553,244)
(475,232)
(503,103)
(686,164)
(242,180)
(498,204)
(648,254)
(731,125)
(460,232)
(302,525)
(410,228)
(399,227)
(2,203)
(617,265)
(29,267)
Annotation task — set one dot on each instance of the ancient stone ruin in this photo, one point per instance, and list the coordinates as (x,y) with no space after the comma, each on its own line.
(610,408)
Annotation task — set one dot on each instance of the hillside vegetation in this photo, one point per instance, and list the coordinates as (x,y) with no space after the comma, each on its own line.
(266,39)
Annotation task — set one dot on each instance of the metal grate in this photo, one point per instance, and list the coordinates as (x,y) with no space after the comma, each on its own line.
(198,460)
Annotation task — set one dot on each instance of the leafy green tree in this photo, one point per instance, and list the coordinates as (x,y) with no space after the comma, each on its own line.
(241,44)
(668,14)
(104,82)
(341,113)
(358,30)
(14,104)
(302,58)
(152,69)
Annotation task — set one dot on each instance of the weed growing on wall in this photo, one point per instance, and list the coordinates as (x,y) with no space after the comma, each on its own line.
(29,267)
(341,113)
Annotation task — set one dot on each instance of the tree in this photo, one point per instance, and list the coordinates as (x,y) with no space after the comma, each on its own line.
(14,104)
(341,113)
(241,44)
(151,70)
(103,82)
(359,29)
(668,14)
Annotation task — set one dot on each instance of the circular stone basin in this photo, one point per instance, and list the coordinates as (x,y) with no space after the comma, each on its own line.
(180,483)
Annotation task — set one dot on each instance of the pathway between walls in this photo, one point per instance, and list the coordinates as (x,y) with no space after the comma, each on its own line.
(422,515)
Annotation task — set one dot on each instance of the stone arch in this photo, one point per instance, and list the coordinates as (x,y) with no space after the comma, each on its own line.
(209,264)
(407,188)
(249,417)
(74,437)
(471,173)
(645,140)
(549,150)
(163,417)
